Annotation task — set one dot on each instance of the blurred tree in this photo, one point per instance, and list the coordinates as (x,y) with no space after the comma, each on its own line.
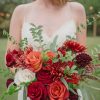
(92,10)
(6,9)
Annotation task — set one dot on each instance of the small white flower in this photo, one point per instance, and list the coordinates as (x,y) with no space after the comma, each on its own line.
(24,75)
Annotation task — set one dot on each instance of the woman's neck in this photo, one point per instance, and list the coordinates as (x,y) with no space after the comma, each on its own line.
(47,4)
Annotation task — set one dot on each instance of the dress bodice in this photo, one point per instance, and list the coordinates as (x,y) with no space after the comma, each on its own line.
(68,29)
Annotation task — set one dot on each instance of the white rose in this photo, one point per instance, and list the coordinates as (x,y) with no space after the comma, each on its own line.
(24,75)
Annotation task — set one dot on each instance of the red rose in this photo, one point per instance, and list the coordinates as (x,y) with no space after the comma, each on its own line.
(8,82)
(58,91)
(11,58)
(44,76)
(10,61)
(37,91)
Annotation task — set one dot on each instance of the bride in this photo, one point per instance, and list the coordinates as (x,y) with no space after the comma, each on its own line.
(58,17)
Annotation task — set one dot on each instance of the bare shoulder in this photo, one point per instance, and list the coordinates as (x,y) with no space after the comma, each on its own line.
(20,10)
(78,8)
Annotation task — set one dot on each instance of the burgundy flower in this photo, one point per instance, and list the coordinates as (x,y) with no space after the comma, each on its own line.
(57,69)
(8,82)
(11,57)
(15,58)
(37,91)
(44,76)
(10,61)
(83,59)
(62,50)
(15,52)
(74,46)
(73,96)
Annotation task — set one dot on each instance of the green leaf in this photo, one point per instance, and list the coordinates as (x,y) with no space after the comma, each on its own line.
(37,35)
(72,90)
(66,71)
(73,67)
(54,44)
(23,43)
(44,56)
(97,72)
(55,60)
(24,93)
(12,89)
(64,82)
(2,97)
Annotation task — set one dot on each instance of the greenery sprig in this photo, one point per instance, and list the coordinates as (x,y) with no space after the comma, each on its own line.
(37,35)
(23,43)
(95,55)
(10,38)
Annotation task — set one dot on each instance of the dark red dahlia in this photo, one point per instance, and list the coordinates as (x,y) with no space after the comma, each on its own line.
(73,96)
(8,82)
(74,46)
(83,59)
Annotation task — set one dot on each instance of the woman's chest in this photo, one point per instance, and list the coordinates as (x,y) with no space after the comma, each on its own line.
(51,21)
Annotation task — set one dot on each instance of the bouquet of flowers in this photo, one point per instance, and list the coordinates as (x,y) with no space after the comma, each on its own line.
(52,73)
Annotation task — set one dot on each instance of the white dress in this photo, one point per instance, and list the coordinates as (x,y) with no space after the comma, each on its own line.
(68,29)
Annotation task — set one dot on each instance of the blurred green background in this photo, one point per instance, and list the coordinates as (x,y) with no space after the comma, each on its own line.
(93,15)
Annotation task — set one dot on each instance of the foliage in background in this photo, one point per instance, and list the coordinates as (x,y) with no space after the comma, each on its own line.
(93,13)
(6,9)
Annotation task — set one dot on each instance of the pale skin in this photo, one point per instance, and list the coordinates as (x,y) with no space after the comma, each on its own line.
(42,12)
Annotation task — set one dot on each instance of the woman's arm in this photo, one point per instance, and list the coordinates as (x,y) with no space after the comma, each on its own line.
(15,29)
(81,36)
(80,17)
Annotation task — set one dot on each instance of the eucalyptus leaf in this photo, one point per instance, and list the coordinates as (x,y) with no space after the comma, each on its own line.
(12,89)
(64,82)
(54,44)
